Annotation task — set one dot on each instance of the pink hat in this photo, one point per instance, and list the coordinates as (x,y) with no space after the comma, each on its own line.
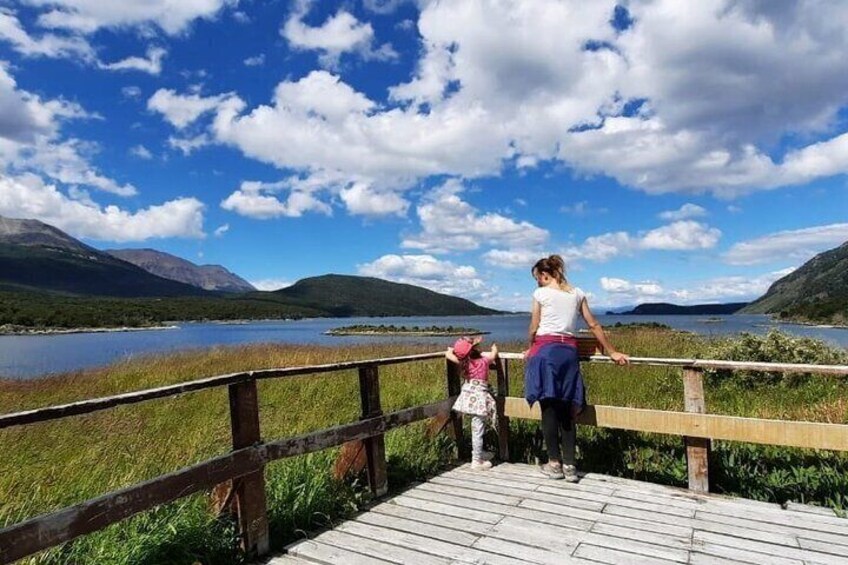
(462,347)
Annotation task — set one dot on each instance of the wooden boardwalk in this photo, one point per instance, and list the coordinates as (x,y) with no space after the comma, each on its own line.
(512,515)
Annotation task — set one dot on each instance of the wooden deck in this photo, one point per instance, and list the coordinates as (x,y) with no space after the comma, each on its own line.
(512,515)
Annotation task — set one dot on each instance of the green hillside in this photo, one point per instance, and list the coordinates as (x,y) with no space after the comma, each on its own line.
(816,292)
(344,295)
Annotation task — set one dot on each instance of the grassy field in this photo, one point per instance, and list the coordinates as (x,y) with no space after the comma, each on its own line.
(51,465)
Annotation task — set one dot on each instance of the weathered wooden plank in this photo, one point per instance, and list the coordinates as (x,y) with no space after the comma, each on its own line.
(378,548)
(658,507)
(423,544)
(804,521)
(767,549)
(697,558)
(628,533)
(448,508)
(810,509)
(314,551)
(609,555)
(454,383)
(95,404)
(738,554)
(677,530)
(338,435)
(697,448)
(772,537)
(811,435)
(550,537)
(563,512)
(439,532)
(527,475)
(824,547)
(521,553)
(523,511)
(424,517)
(45,531)
(562,497)
(707,520)
(375,446)
(468,494)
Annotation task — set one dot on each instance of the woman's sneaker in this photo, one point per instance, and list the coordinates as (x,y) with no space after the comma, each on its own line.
(551,471)
(487,456)
(481,465)
(570,473)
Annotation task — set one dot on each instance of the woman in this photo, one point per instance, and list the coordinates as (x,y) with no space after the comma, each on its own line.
(552,370)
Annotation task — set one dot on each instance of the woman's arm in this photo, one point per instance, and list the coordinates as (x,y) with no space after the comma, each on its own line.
(598,331)
(535,317)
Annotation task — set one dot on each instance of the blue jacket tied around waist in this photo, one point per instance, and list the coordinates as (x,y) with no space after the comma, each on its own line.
(554,372)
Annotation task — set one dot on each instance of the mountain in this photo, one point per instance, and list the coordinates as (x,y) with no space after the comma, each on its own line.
(207,277)
(38,256)
(815,292)
(666,309)
(344,295)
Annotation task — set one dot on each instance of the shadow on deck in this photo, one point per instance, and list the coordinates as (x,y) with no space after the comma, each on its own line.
(512,514)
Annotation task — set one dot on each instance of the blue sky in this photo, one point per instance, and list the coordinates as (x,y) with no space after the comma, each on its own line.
(679,153)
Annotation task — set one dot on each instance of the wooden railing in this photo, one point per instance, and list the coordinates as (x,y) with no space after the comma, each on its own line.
(243,468)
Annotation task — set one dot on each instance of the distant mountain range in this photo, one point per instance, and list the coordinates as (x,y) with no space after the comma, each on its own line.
(48,278)
(207,277)
(816,292)
(36,256)
(666,309)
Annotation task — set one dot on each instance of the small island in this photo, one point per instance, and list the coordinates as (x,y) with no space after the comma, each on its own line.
(421,331)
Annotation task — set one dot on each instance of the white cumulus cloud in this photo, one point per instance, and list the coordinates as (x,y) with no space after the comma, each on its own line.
(27,196)
(795,245)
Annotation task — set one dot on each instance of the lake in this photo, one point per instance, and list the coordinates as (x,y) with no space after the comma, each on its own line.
(32,356)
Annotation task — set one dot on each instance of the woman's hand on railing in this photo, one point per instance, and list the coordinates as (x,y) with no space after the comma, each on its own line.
(619,358)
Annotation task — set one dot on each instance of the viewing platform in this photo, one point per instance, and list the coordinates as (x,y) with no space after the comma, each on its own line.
(512,514)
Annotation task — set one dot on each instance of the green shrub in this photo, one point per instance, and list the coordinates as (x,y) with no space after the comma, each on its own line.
(774,347)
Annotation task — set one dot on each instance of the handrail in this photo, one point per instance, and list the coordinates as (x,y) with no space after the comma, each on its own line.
(55,412)
(88,406)
(250,454)
(717,364)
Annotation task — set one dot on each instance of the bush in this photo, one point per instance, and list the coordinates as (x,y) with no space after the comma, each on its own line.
(774,347)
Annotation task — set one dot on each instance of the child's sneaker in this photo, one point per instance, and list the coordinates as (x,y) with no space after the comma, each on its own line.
(481,465)
(570,473)
(551,471)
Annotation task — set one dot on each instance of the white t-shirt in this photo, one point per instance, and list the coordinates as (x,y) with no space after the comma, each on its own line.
(561,310)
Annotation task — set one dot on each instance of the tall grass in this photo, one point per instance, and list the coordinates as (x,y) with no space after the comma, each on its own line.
(51,465)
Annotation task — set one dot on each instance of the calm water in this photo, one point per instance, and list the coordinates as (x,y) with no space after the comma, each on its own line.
(24,357)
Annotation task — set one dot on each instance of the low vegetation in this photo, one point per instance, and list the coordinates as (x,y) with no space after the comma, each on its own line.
(391,329)
(51,465)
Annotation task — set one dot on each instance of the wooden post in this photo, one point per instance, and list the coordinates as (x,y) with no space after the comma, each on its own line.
(249,490)
(463,450)
(697,448)
(375,447)
(502,367)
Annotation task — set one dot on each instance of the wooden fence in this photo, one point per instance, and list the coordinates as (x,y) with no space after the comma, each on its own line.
(242,470)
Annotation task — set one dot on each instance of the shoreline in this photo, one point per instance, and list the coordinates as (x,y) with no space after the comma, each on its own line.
(4,331)
(394,334)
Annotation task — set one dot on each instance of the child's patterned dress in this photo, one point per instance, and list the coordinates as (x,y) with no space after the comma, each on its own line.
(475,398)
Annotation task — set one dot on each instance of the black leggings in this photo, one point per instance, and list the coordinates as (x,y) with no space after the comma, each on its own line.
(556,418)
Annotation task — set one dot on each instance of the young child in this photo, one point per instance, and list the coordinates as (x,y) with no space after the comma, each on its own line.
(475,398)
